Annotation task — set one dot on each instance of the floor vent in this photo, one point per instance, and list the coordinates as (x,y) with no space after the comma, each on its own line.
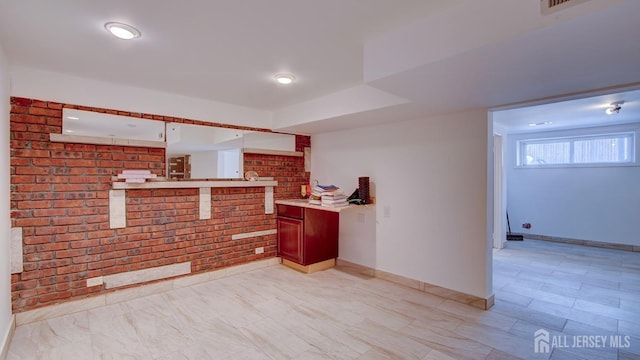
(551,6)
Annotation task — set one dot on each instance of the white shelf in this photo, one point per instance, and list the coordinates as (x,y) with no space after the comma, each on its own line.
(273,152)
(96,140)
(192,184)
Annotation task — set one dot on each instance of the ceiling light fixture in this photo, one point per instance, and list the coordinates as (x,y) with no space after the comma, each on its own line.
(122,31)
(614,108)
(284,79)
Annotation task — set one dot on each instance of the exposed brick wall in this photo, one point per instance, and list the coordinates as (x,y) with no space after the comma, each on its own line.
(287,170)
(59,196)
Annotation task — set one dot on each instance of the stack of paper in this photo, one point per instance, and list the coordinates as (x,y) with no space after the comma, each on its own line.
(136,176)
(328,195)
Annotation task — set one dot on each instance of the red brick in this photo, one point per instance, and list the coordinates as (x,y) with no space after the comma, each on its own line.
(50,230)
(47,162)
(28,153)
(100,234)
(70,253)
(81,163)
(43,111)
(86,259)
(55,296)
(70,237)
(66,221)
(34,204)
(71,269)
(68,187)
(77,244)
(23,179)
(68,203)
(28,119)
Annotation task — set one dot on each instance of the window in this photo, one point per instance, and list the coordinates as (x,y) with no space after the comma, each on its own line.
(614,148)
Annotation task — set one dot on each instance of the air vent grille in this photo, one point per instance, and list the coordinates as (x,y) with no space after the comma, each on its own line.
(554,3)
(551,6)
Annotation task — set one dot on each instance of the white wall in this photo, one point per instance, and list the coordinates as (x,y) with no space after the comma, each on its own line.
(5,224)
(204,165)
(587,203)
(430,179)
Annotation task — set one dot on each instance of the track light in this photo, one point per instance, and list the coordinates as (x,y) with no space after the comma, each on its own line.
(614,108)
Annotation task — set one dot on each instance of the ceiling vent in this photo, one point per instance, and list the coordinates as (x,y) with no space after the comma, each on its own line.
(552,6)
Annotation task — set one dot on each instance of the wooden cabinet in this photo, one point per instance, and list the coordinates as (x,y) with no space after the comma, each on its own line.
(180,167)
(290,238)
(307,236)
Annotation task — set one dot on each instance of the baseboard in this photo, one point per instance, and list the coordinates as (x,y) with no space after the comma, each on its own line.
(310,269)
(7,338)
(599,244)
(360,270)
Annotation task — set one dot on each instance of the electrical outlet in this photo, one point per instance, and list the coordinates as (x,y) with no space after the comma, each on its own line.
(260,250)
(387,211)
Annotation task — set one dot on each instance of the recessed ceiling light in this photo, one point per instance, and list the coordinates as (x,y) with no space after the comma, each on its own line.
(73,118)
(284,79)
(122,31)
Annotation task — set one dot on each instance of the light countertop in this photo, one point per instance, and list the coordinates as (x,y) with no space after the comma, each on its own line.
(305,203)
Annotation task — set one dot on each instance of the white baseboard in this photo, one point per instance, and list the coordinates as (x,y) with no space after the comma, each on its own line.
(7,338)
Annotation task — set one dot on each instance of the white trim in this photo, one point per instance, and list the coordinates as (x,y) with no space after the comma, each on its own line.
(273,152)
(191,184)
(269,207)
(15,249)
(95,281)
(499,228)
(144,275)
(96,140)
(204,212)
(6,342)
(253,234)
(117,209)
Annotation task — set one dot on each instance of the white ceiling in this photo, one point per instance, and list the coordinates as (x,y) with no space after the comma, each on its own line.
(227,51)
(428,57)
(574,113)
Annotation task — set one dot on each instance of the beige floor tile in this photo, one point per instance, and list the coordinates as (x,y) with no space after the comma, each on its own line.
(445,342)
(388,342)
(274,339)
(278,313)
(497,339)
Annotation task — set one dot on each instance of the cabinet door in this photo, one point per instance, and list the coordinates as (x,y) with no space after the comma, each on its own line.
(290,233)
(321,230)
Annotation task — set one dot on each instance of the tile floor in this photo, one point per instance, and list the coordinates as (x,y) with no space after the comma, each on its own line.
(278,313)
